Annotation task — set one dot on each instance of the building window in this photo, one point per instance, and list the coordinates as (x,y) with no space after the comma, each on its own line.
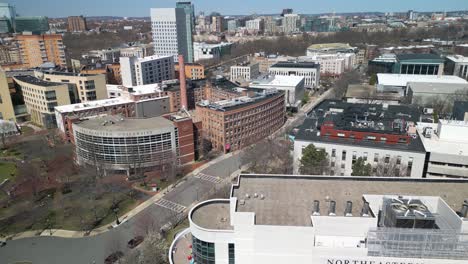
(387,159)
(376,157)
(333,153)
(203,252)
(232,254)
(354,155)
(398,161)
(343,155)
(365,156)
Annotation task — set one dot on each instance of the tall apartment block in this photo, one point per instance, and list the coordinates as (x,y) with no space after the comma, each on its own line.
(76,24)
(172,32)
(140,71)
(38,49)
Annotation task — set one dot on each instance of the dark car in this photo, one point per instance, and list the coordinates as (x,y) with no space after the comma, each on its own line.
(133,243)
(112,258)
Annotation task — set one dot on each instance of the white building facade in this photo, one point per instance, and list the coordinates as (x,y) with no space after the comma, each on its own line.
(245,72)
(291,23)
(172,36)
(310,71)
(205,51)
(254,25)
(293,87)
(141,71)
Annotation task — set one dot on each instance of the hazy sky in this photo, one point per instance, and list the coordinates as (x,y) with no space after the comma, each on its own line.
(62,8)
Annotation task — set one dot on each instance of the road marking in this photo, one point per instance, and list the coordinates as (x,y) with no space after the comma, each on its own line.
(205,177)
(170,205)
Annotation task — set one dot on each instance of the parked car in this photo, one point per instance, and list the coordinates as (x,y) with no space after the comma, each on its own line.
(112,258)
(134,242)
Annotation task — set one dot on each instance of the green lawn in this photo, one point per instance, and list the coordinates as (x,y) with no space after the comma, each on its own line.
(7,171)
(10,153)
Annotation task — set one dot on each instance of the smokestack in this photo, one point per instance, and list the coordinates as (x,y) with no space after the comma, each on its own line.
(183,84)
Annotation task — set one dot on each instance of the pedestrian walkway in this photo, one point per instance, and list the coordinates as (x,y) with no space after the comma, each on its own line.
(170,205)
(205,177)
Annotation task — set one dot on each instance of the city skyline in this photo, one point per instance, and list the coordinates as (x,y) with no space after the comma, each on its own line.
(56,8)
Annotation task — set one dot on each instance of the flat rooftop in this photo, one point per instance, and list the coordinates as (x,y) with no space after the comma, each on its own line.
(119,124)
(294,64)
(69,74)
(35,81)
(455,146)
(419,56)
(92,104)
(330,46)
(239,102)
(402,80)
(288,200)
(458,58)
(438,88)
(366,91)
(277,80)
(154,57)
(213,215)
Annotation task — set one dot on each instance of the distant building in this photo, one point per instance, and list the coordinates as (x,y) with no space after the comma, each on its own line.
(245,120)
(76,24)
(329,48)
(41,98)
(7,111)
(410,63)
(172,33)
(34,24)
(399,83)
(245,72)
(217,24)
(141,71)
(292,86)
(7,18)
(89,87)
(255,25)
(424,93)
(139,51)
(379,134)
(233,24)
(194,71)
(189,9)
(291,23)
(309,70)
(39,49)
(457,65)
(368,94)
(447,149)
(205,51)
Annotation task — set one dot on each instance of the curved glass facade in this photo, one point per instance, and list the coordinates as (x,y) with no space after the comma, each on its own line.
(203,252)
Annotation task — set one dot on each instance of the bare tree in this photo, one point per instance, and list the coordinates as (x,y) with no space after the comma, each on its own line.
(341,85)
(390,167)
(269,156)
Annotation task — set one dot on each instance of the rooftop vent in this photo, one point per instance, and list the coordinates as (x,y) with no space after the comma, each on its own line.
(316,210)
(332,208)
(407,213)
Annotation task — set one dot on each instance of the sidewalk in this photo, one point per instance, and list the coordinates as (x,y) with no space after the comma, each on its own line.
(126,216)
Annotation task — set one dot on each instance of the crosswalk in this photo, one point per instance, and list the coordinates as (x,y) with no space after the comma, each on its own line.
(205,177)
(170,205)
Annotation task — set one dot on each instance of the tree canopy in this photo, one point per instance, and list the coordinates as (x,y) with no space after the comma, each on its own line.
(360,168)
(314,161)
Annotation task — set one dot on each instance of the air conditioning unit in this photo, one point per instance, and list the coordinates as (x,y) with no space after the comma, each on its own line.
(427,132)
(407,213)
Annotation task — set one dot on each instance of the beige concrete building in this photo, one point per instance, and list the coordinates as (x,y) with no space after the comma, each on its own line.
(90,87)
(41,97)
(6,105)
(38,49)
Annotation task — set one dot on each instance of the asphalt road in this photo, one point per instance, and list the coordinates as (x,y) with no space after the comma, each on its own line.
(51,250)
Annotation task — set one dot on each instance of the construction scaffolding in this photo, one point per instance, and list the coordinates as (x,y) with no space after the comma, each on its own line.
(417,243)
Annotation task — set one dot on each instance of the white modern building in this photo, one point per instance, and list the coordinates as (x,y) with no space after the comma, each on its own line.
(233,24)
(276,219)
(293,86)
(447,147)
(172,32)
(457,65)
(139,51)
(255,25)
(309,70)
(333,64)
(140,71)
(384,136)
(387,82)
(245,72)
(205,51)
(424,93)
(291,23)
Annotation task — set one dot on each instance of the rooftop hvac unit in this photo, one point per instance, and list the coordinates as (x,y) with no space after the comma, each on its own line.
(428,131)
(407,213)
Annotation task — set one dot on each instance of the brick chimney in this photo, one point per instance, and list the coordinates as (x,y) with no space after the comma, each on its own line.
(183,84)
